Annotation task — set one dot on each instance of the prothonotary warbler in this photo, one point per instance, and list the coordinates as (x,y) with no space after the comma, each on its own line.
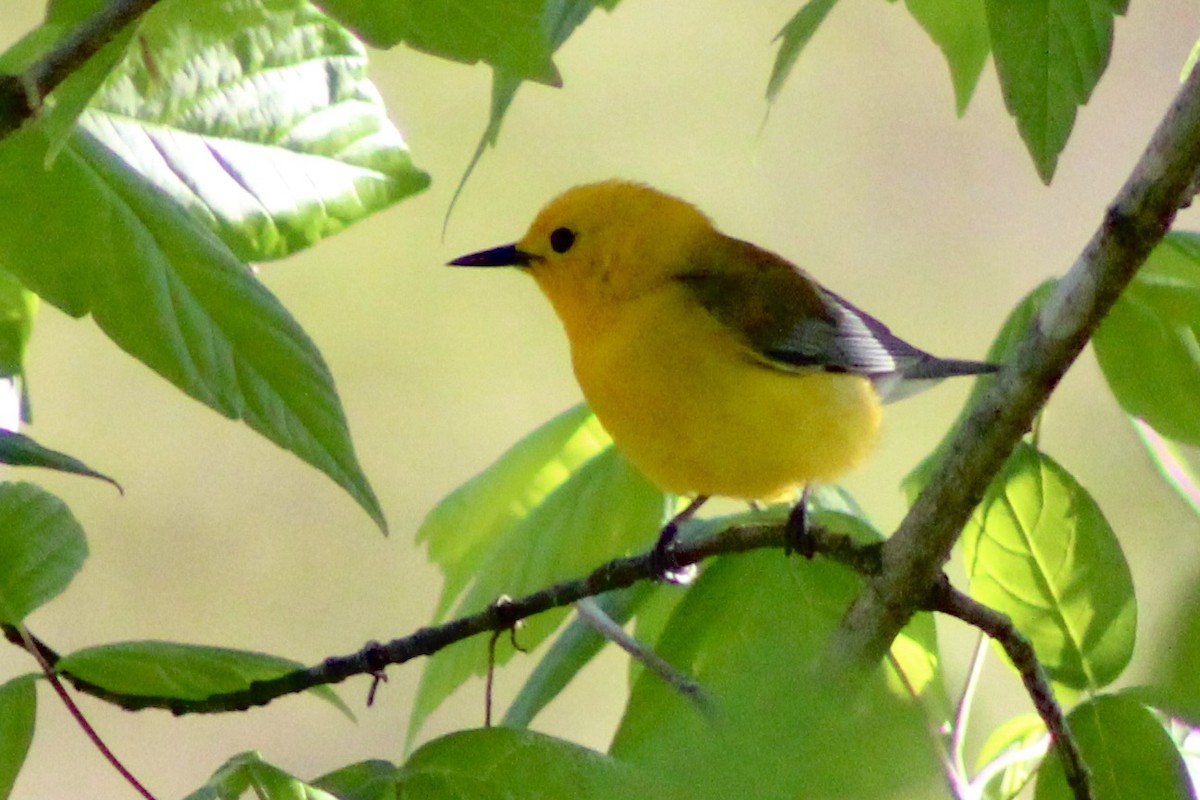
(719,368)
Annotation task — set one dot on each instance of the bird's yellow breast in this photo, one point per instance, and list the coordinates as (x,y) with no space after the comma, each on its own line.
(699,415)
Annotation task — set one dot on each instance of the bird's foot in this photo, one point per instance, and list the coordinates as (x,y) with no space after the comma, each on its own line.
(663,562)
(797,537)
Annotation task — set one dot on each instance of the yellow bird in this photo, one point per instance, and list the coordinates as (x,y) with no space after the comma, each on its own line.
(719,368)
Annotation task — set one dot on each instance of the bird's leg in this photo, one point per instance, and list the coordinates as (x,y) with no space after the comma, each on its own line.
(796,537)
(662,560)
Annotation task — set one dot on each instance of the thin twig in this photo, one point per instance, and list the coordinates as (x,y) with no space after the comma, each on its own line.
(957,780)
(962,714)
(375,656)
(34,648)
(948,600)
(591,613)
(1002,762)
(619,573)
(490,679)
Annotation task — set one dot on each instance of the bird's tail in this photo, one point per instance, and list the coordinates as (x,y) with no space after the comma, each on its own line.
(925,372)
(934,368)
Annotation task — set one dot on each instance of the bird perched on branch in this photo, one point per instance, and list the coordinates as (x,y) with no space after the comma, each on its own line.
(718,367)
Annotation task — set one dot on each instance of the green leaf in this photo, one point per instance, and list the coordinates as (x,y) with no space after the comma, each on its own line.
(577,645)
(1147,345)
(1190,62)
(18,306)
(21,451)
(505,33)
(1173,686)
(18,711)
(753,631)
(247,772)
(258,118)
(41,549)
(170,294)
(560,18)
(1049,56)
(1039,549)
(603,509)
(181,671)
(1011,755)
(793,39)
(498,763)
(69,100)
(463,527)
(365,780)
(1171,463)
(1127,750)
(959,29)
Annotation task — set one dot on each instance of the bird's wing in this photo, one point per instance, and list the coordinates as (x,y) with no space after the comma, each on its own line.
(787,320)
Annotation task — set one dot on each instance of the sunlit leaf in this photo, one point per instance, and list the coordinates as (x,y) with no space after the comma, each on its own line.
(590,512)
(259,119)
(248,772)
(1011,755)
(1039,549)
(173,296)
(462,529)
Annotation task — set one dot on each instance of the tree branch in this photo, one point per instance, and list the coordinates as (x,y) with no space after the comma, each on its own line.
(21,96)
(620,573)
(1133,225)
(375,656)
(948,600)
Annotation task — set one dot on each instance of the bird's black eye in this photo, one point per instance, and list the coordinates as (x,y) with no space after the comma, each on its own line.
(561,239)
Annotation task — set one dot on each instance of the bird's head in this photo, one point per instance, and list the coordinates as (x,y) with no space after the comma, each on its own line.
(602,244)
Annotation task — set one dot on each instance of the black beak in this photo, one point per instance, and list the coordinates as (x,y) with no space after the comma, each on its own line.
(506,256)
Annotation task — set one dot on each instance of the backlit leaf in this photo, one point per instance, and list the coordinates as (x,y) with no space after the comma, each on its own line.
(1039,549)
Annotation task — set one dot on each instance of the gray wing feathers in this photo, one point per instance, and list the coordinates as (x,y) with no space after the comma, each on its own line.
(853,341)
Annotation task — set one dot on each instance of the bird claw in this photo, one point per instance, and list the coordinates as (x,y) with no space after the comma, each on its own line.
(797,537)
(665,566)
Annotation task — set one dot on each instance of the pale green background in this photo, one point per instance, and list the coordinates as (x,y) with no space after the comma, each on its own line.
(862,174)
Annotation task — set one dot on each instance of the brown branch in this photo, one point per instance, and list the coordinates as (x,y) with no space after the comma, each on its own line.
(22,96)
(375,656)
(620,573)
(22,638)
(1133,225)
(948,600)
